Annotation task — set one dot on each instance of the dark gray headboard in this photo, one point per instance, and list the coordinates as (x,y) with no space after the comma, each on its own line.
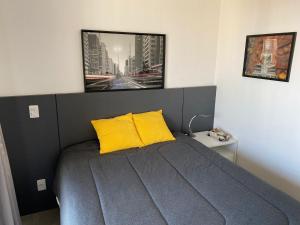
(75,111)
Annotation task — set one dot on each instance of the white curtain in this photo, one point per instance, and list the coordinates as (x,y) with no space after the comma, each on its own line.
(9,211)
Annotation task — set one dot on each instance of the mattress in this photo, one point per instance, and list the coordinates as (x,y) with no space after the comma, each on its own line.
(176,183)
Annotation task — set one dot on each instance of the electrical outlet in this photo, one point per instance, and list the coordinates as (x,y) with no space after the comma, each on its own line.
(41,185)
(34,111)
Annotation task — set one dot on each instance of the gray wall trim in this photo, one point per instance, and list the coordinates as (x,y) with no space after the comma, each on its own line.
(33,148)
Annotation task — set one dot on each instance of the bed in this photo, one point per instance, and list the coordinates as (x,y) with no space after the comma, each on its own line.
(180,182)
(176,183)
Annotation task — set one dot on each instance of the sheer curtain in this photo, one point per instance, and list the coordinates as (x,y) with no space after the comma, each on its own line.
(9,212)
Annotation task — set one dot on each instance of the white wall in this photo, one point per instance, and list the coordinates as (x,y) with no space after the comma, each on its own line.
(40,46)
(264,115)
(40,53)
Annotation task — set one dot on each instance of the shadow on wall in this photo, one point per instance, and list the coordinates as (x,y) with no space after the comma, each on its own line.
(282,183)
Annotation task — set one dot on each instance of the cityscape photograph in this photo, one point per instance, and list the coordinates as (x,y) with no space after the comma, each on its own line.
(114,61)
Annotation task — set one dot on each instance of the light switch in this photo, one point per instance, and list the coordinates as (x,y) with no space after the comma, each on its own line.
(41,185)
(34,111)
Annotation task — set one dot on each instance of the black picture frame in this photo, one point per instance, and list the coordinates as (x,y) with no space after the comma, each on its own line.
(273,71)
(145,76)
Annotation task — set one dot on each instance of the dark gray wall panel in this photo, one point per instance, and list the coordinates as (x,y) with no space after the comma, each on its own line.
(33,148)
(199,100)
(75,111)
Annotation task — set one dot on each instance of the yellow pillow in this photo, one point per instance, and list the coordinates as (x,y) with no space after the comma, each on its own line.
(117,133)
(152,127)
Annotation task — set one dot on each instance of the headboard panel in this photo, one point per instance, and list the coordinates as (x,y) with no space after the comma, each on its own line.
(75,111)
(199,100)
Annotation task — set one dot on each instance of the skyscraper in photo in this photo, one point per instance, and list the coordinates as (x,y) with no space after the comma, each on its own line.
(93,58)
(152,50)
(110,66)
(104,59)
(86,58)
(139,53)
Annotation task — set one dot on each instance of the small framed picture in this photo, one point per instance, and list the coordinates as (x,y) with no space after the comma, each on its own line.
(122,61)
(269,56)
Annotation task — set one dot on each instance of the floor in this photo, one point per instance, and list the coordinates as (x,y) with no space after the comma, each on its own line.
(49,217)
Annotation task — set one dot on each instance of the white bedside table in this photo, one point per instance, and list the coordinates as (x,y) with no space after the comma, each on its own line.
(227,149)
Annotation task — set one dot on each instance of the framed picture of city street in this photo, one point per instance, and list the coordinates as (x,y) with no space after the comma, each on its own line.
(269,56)
(122,60)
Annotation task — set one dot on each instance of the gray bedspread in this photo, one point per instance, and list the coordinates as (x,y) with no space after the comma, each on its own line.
(175,183)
